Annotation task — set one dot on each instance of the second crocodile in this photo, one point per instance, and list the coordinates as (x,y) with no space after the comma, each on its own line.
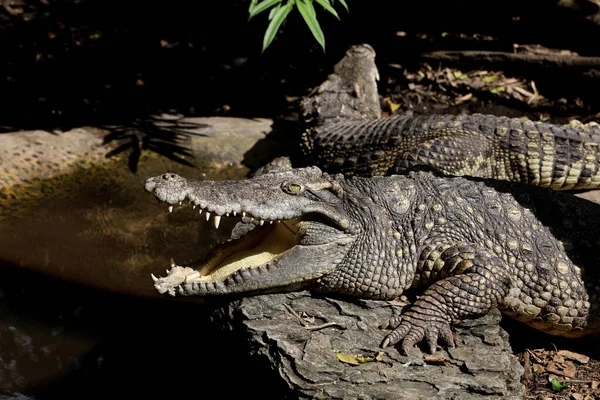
(349,136)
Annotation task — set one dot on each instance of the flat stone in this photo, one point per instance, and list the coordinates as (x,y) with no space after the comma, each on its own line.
(212,142)
(591,195)
(222,140)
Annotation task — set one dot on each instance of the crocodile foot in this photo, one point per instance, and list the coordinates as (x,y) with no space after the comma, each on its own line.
(412,327)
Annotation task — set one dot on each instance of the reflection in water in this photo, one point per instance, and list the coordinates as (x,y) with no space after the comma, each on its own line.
(110,334)
(99,227)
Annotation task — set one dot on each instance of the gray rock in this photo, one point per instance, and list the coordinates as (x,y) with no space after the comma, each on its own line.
(222,140)
(299,336)
(211,142)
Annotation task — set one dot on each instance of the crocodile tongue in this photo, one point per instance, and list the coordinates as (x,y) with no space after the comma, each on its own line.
(256,246)
(257,249)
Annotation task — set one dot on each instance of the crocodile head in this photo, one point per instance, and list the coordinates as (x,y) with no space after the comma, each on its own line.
(292,231)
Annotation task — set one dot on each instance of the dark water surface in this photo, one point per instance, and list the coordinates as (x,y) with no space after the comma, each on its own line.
(79,317)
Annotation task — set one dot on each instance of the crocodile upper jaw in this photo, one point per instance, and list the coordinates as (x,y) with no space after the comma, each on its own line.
(267,258)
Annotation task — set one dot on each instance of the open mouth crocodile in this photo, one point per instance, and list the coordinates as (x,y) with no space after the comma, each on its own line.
(277,243)
(469,246)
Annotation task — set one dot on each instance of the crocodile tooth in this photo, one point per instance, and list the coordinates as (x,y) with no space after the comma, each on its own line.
(170,208)
(180,289)
(200,210)
(234,213)
(173,265)
(262,222)
(193,207)
(270,222)
(181,202)
(243,213)
(207,215)
(153,277)
(227,214)
(217,221)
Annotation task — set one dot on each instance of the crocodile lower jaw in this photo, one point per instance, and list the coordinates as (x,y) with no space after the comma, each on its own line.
(253,253)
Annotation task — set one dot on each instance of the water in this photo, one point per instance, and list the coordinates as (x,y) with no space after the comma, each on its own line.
(79,317)
(60,340)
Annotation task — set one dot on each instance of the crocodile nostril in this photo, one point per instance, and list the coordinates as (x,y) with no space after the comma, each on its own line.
(166,176)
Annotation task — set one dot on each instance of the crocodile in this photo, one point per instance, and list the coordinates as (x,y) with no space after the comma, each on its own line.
(346,134)
(468,245)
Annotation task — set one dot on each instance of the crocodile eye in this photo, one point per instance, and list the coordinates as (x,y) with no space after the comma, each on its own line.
(292,188)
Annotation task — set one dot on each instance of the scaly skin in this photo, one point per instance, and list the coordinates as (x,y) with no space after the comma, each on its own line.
(348,136)
(471,246)
(553,156)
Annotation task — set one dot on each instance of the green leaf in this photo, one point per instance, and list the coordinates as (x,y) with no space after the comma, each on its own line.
(327,6)
(557,386)
(345,5)
(498,89)
(459,75)
(311,8)
(256,9)
(272,12)
(275,23)
(490,78)
(308,13)
(251,8)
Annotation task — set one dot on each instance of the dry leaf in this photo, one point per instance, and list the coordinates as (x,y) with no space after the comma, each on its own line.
(567,369)
(393,106)
(354,359)
(436,360)
(570,355)
(347,358)
(538,369)
(464,98)
(365,359)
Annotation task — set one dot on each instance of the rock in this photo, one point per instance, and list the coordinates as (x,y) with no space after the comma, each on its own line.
(591,195)
(211,142)
(283,330)
(221,140)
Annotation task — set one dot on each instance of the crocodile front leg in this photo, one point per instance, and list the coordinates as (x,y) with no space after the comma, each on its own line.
(478,283)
